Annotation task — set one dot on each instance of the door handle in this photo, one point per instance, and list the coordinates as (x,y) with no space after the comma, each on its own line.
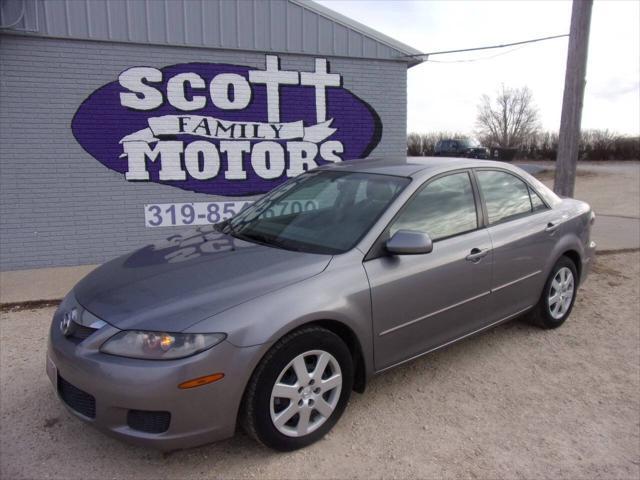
(552,226)
(477,254)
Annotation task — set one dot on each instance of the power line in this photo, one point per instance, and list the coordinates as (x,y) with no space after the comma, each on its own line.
(533,40)
(478,59)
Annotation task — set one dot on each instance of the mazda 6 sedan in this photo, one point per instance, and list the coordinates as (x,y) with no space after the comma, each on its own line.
(271,319)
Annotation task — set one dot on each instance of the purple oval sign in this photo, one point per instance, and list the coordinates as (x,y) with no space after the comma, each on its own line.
(224,129)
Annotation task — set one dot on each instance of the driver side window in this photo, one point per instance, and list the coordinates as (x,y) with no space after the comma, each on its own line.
(443,208)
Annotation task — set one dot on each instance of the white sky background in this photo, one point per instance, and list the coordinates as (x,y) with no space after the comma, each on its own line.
(444,96)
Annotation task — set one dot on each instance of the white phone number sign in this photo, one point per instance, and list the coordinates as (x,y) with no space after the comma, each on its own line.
(207,213)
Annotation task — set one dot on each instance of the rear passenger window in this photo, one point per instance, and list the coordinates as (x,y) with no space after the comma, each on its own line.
(536,202)
(445,207)
(505,195)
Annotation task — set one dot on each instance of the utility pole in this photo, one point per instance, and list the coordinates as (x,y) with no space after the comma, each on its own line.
(574,82)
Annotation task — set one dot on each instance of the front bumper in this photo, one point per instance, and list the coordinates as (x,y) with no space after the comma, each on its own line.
(197,415)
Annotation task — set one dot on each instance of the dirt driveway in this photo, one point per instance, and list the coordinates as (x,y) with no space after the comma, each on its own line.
(611,188)
(513,402)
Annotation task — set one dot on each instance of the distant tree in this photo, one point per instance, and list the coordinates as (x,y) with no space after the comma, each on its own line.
(424,144)
(414,145)
(597,144)
(508,121)
(542,145)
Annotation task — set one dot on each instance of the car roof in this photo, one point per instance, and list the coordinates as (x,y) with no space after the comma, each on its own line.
(414,167)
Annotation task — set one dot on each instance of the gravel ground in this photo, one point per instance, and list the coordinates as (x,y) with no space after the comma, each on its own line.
(611,188)
(513,402)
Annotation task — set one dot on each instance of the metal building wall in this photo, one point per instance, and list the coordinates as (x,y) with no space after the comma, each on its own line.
(295,26)
(58,205)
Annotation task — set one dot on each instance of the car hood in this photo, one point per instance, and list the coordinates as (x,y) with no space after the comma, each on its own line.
(171,285)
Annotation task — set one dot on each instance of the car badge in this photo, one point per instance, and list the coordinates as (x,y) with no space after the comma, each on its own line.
(68,322)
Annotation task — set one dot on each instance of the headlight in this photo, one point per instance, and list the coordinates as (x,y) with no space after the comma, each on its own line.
(159,345)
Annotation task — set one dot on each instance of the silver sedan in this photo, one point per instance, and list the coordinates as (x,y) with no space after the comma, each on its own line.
(271,319)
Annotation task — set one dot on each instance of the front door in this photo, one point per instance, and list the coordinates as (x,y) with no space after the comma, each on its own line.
(423,301)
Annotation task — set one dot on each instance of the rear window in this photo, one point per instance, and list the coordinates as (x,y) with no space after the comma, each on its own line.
(505,195)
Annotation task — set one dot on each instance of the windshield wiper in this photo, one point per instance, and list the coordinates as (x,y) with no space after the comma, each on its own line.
(264,240)
(226,228)
(260,238)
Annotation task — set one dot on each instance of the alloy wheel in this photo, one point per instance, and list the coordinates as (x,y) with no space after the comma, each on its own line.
(305,393)
(561,293)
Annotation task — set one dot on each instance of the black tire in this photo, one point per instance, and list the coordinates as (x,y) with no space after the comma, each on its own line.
(256,408)
(540,315)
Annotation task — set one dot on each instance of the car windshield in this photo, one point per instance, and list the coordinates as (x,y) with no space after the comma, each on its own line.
(468,143)
(319,212)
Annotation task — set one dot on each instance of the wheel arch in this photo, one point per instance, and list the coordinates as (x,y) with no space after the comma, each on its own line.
(342,330)
(568,245)
(349,337)
(574,256)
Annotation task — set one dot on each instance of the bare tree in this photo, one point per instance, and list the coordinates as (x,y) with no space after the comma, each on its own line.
(543,145)
(414,145)
(510,120)
(424,144)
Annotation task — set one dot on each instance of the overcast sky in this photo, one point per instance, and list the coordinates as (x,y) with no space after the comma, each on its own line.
(443,96)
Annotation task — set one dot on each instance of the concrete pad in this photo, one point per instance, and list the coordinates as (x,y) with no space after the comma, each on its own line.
(40,283)
(615,232)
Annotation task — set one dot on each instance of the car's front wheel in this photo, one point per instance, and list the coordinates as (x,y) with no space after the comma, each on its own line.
(299,390)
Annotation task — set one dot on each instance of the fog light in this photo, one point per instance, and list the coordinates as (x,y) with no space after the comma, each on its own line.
(198,382)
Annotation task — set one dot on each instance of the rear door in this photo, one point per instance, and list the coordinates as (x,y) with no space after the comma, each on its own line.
(523,231)
(423,301)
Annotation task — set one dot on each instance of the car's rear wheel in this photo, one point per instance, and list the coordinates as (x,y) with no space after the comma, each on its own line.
(299,390)
(558,296)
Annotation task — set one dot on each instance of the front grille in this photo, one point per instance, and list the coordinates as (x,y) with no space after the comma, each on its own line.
(77,399)
(147,421)
(81,332)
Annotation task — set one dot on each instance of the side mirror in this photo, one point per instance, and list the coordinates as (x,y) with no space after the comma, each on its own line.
(409,242)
